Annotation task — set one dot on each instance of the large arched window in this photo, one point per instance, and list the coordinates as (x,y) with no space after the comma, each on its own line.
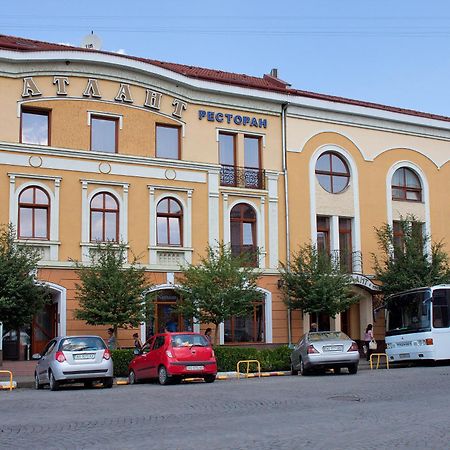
(406,185)
(243,231)
(34,214)
(104,218)
(249,328)
(169,220)
(332,172)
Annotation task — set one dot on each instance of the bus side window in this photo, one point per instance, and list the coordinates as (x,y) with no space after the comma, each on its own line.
(441,306)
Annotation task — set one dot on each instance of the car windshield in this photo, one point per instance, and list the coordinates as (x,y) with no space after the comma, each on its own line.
(408,313)
(81,344)
(327,336)
(188,340)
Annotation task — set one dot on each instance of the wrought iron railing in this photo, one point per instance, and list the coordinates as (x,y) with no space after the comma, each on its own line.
(349,262)
(246,177)
(248,252)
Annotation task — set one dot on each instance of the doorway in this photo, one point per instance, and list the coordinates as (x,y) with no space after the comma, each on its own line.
(44,327)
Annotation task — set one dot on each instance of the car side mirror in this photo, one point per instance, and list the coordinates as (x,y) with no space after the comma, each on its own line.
(36,356)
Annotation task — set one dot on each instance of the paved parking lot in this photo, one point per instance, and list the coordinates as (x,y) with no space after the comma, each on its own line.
(406,408)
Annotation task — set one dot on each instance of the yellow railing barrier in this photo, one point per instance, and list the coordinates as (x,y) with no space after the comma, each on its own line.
(378,355)
(248,362)
(10,387)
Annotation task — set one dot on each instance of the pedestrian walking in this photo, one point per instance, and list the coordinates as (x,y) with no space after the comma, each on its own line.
(112,343)
(369,340)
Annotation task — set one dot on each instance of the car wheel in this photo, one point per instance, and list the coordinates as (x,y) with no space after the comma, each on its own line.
(303,371)
(163,376)
(54,384)
(132,377)
(209,378)
(108,382)
(37,384)
(293,371)
(337,370)
(353,369)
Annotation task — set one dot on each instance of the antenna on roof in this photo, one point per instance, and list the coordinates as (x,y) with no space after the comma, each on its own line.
(92,41)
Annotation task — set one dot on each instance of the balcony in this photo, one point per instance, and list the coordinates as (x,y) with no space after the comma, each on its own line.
(243,177)
(248,252)
(349,262)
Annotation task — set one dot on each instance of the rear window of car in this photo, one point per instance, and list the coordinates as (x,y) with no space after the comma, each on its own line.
(188,340)
(81,344)
(329,335)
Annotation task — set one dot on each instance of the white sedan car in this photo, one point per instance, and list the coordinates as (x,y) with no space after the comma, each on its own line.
(324,350)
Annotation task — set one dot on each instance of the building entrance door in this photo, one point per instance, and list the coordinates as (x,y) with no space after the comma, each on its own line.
(44,326)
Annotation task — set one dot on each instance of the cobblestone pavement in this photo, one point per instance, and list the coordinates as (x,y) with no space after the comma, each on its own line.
(406,408)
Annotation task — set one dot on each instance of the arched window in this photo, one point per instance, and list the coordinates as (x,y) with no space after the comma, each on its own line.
(169,220)
(34,214)
(243,231)
(406,185)
(246,329)
(332,172)
(104,218)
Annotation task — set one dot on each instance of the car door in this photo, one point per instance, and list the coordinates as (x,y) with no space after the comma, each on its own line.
(44,363)
(141,362)
(155,356)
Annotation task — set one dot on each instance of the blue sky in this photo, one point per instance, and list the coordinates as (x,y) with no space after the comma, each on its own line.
(391,52)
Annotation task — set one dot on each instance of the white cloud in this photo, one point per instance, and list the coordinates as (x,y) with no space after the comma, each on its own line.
(121,51)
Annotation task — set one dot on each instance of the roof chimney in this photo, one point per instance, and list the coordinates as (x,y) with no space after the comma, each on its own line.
(274,73)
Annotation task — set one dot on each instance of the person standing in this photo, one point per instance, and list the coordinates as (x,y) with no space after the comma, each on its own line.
(208,335)
(112,344)
(368,337)
(313,328)
(137,344)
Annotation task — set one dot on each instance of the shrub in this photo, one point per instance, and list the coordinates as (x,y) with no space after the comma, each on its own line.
(270,359)
(121,359)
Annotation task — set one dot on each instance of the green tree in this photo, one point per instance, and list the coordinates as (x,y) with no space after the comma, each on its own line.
(219,287)
(110,290)
(21,295)
(314,284)
(404,261)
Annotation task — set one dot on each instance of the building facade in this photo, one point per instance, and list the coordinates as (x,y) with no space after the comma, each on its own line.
(96,146)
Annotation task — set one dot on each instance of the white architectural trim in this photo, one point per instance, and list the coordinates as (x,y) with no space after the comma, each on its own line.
(425,193)
(53,242)
(61,300)
(86,198)
(213,207)
(356,234)
(186,205)
(103,114)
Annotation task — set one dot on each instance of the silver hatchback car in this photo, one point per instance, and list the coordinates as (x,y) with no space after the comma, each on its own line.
(74,359)
(324,350)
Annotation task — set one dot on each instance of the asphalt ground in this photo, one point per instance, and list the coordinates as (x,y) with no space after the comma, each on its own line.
(406,408)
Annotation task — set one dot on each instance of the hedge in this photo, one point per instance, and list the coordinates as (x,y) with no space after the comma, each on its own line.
(227,357)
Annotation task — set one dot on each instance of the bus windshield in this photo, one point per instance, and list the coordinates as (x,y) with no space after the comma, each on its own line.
(408,313)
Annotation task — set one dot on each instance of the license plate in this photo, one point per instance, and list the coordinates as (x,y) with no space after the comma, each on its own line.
(332,348)
(84,356)
(195,368)
(404,355)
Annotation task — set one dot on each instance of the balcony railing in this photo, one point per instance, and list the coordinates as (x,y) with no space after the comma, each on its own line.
(248,252)
(246,177)
(349,262)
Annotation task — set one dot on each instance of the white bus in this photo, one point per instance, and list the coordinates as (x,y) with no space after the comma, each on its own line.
(418,324)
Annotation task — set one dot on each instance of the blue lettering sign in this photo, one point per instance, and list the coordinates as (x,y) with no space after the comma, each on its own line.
(219,117)
(228,116)
(201,114)
(237,119)
(210,116)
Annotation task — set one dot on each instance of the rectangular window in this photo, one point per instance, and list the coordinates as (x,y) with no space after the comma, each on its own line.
(167,142)
(323,235)
(252,157)
(104,134)
(441,308)
(227,149)
(345,244)
(35,125)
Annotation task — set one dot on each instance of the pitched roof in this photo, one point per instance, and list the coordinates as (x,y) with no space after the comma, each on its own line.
(267,82)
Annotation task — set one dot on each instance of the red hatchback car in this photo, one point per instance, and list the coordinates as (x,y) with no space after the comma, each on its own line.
(174,356)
